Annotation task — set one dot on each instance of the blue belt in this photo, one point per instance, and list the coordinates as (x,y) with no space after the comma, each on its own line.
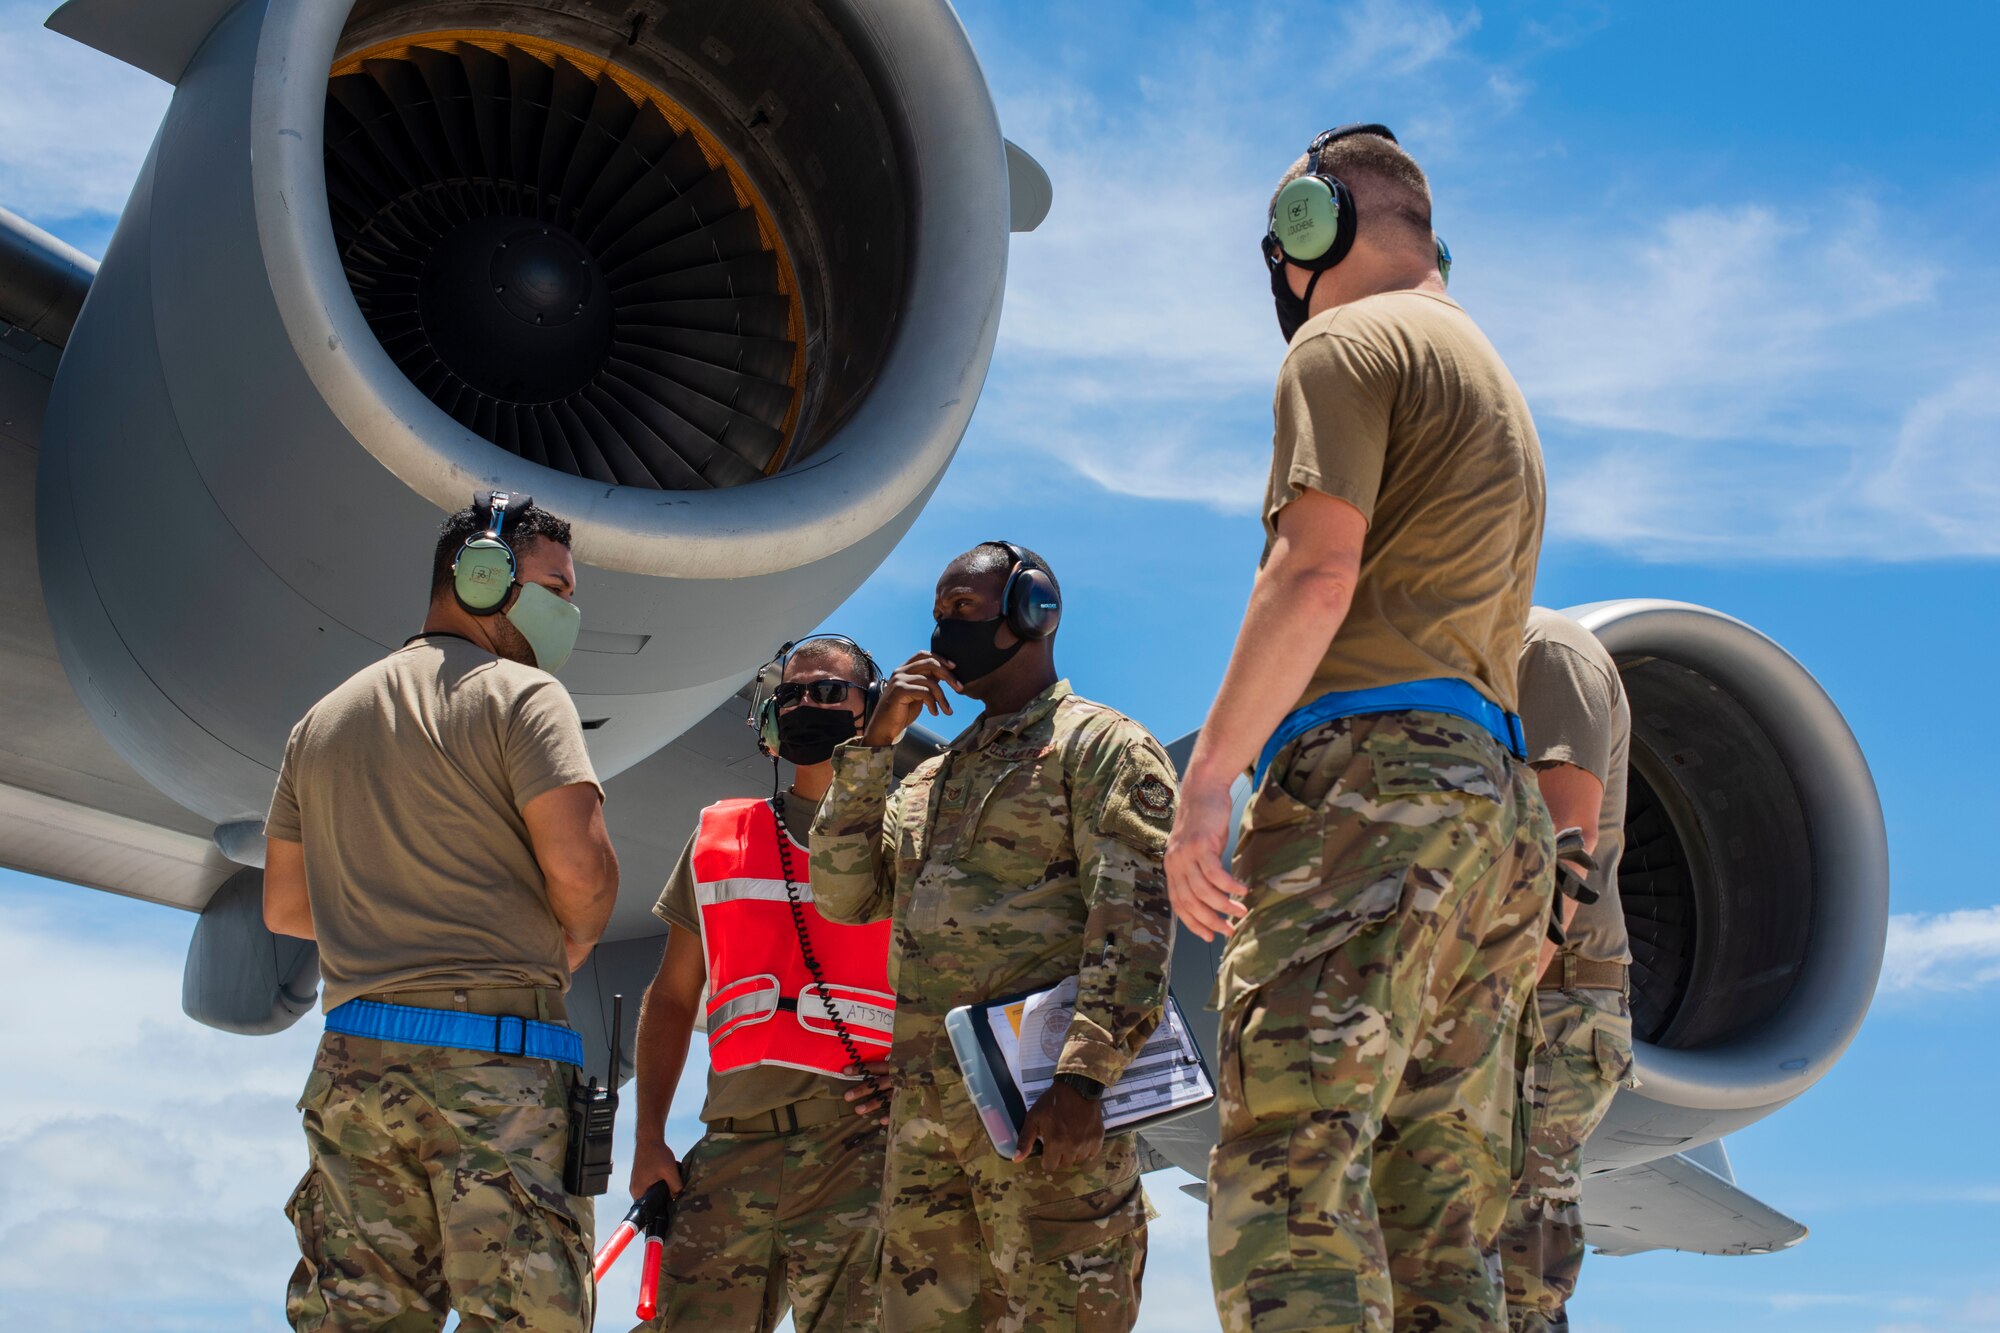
(500,1034)
(1443,695)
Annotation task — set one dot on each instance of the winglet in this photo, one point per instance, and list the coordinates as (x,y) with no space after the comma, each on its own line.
(1029,193)
(158,36)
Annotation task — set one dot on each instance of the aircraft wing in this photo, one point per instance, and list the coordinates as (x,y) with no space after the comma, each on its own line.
(1678,1203)
(70,807)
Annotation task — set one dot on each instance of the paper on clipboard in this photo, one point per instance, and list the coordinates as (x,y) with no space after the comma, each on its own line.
(1008,1051)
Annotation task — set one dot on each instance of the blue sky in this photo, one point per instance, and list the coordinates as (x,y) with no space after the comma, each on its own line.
(1740,259)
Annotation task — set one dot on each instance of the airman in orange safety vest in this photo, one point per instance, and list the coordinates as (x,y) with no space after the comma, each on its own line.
(777,1206)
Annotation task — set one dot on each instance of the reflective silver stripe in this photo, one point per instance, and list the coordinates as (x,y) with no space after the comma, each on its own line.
(748,890)
(858,1013)
(742,1010)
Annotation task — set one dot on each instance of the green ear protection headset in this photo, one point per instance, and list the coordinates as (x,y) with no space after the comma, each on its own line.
(764,704)
(1313,219)
(1030,603)
(483,571)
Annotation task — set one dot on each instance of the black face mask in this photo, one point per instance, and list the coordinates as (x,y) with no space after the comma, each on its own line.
(970,648)
(808,735)
(1293,309)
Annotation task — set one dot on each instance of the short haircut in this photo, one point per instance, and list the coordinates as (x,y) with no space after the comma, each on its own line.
(518,526)
(832,655)
(989,556)
(1387,181)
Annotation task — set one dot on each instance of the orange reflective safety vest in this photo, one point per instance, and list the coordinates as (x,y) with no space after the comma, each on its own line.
(763,1006)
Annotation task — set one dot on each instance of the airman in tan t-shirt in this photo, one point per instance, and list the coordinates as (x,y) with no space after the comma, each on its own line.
(1391,877)
(406,785)
(1397,404)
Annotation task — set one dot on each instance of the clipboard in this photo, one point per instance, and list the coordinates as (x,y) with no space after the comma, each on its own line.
(1007,1050)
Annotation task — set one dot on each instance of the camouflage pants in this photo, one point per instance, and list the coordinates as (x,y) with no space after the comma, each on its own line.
(773,1221)
(1585,1055)
(973,1242)
(436,1186)
(1400,875)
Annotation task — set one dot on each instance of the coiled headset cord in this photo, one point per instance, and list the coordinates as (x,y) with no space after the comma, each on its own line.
(840,1031)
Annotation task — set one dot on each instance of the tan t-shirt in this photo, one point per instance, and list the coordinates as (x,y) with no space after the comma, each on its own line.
(1574,711)
(406,786)
(1398,405)
(748,1092)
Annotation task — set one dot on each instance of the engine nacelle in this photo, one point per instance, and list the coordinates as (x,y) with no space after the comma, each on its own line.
(1755,878)
(1755,883)
(723,297)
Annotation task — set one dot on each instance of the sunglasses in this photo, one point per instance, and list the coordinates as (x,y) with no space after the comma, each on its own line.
(822,692)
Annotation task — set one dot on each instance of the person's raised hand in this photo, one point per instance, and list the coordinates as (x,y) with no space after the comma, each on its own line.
(1068,1125)
(654,1160)
(916,685)
(870,1098)
(1205,896)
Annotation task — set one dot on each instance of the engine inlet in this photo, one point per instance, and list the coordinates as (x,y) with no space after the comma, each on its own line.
(562,259)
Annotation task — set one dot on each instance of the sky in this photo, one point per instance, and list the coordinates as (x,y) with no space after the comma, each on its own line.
(1739,258)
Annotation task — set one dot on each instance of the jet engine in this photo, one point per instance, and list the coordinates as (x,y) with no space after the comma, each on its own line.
(1755,878)
(1755,883)
(717,282)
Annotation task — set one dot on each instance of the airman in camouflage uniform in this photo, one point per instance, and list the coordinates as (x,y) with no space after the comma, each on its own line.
(1393,874)
(1026,853)
(437,1185)
(1579,731)
(1400,878)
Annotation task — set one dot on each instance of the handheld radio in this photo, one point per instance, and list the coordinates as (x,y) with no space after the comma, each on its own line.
(593,1109)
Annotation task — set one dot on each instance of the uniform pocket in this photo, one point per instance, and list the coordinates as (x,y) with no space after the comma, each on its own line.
(318,1084)
(1068,1226)
(1614,1058)
(1091,1239)
(1281,848)
(546,1254)
(305,1305)
(1016,822)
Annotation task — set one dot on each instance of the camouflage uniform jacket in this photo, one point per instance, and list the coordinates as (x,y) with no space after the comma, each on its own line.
(1029,851)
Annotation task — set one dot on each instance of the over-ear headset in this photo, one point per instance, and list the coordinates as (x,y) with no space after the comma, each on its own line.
(1313,220)
(1030,603)
(484,569)
(764,704)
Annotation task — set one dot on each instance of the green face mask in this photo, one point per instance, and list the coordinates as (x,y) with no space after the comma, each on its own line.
(548,623)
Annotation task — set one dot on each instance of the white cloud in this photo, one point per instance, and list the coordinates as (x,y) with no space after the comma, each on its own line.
(1714,324)
(1138,344)
(74,124)
(1979,1310)
(1944,474)
(1782,377)
(1944,951)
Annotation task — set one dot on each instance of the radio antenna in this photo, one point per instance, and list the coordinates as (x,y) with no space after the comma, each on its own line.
(617,1032)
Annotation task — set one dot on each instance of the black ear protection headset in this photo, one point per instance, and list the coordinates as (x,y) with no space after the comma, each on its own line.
(1313,219)
(763,699)
(483,571)
(1029,603)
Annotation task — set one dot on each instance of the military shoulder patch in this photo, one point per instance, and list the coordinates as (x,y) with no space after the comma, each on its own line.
(1153,796)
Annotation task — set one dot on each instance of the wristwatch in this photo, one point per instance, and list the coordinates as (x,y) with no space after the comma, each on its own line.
(1083,1085)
